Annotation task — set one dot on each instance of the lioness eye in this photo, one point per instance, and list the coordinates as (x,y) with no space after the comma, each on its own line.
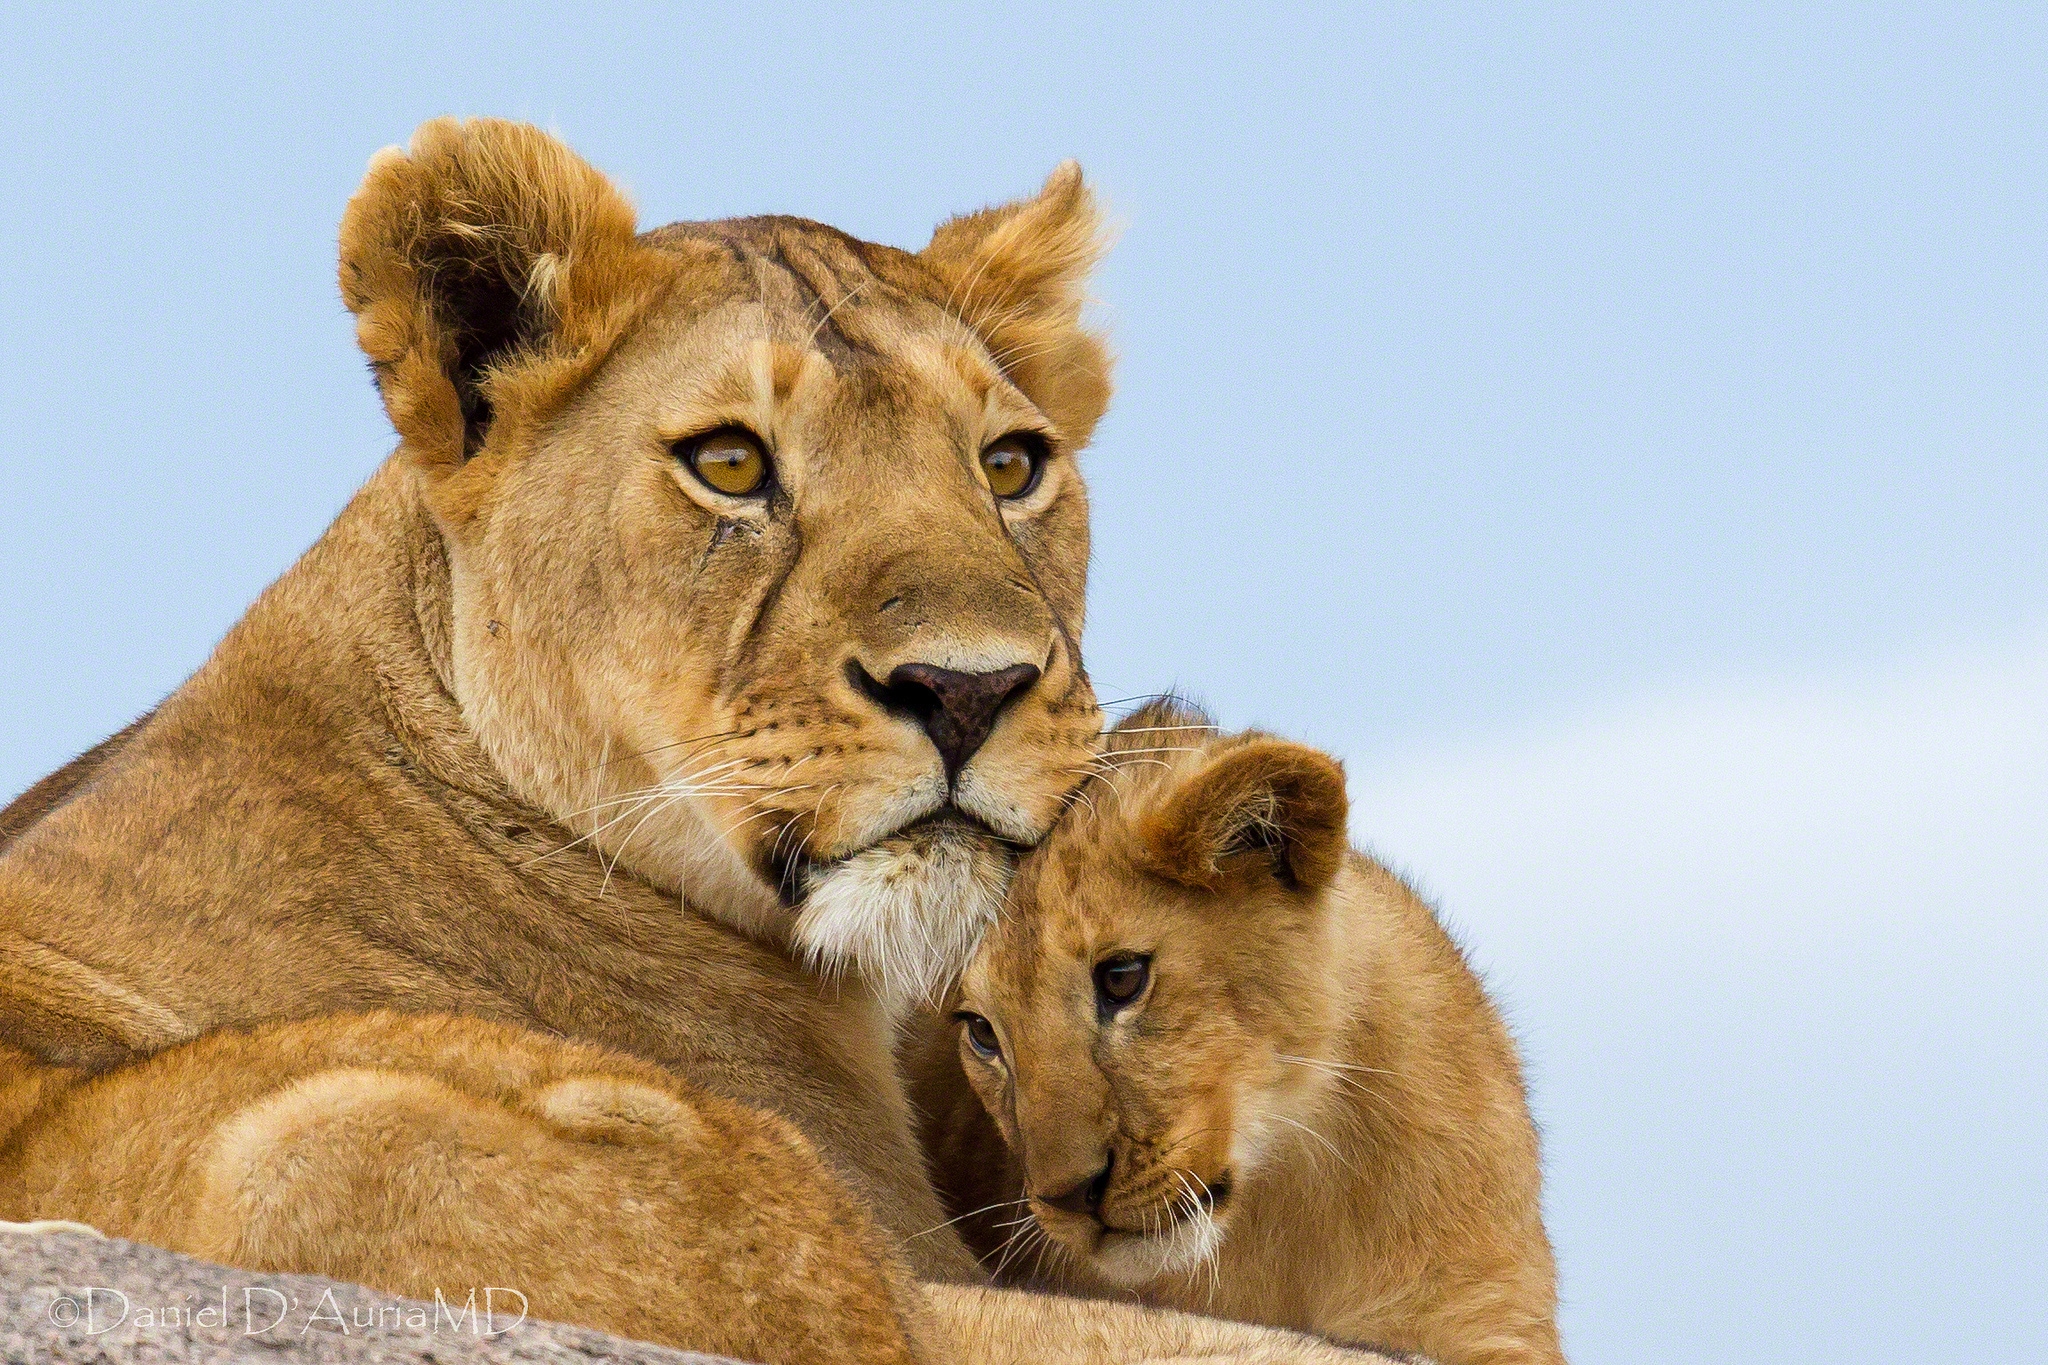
(981,1036)
(729,460)
(1120,979)
(1012,464)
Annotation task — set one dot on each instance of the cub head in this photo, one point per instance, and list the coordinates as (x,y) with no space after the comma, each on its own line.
(766,546)
(1143,1022)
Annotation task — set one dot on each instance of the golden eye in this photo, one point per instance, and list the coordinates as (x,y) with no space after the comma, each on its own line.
(981,1035)
(1013,464)
(729,460)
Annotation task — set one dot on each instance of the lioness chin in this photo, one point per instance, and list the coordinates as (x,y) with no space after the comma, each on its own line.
(678,687)
(1214,1057)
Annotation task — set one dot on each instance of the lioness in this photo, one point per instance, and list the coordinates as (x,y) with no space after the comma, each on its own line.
(674,687)
(1236,1066)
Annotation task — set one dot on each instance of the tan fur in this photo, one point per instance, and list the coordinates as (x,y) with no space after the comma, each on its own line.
(1311,1044)
(416,1153)
(544,733)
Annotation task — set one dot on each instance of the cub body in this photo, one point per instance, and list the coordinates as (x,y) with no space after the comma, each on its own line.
(1226,1062)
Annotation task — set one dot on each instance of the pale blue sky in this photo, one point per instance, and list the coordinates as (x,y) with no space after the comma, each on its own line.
(1620,435)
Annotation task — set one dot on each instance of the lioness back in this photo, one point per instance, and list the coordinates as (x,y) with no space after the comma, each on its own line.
(424,1153)
(1214,1056)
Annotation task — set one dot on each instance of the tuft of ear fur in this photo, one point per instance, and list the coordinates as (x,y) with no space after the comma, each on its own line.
(1282,801)
(488,266)
(1018,274)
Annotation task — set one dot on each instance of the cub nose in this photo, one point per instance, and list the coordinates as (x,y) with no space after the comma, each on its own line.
(1085,1197)
(957,710)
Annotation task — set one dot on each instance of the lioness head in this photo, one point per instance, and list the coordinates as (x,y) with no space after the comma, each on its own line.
(767,545)
(1144,1020)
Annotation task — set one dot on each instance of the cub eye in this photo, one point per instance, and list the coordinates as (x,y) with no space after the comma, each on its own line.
(1121,979)
(981,1036)
(729,460)
(1013,464)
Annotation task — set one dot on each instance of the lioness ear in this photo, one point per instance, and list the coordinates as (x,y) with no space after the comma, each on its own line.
(1018,275)
(1282,802)
(482,248)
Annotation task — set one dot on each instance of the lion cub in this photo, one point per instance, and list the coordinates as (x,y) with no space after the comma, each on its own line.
(1237,1067)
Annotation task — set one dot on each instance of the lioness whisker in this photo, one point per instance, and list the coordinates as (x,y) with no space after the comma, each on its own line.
(606,761)
(744,821)
(705,774)
(1108,778)
(1127,761)
(639,801)
(782,835)
(641,794)
(1136,696)
(671,792)
(1152,729)
(665,789)
(775,790)
(611,867)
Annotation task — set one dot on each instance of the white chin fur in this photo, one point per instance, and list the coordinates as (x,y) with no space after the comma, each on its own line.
(906,914)
(1131,1262)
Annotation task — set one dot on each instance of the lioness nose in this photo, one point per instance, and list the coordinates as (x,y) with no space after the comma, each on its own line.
(1085,1197)
(956,709)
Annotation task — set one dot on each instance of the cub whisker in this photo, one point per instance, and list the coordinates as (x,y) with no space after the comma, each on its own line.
(985,1208)
(1334,1152)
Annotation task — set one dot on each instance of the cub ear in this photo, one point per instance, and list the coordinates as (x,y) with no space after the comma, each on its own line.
(1018,274)
(1282,802)
(481,249)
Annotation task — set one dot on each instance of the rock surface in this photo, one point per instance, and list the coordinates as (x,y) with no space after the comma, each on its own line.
(84,1300)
